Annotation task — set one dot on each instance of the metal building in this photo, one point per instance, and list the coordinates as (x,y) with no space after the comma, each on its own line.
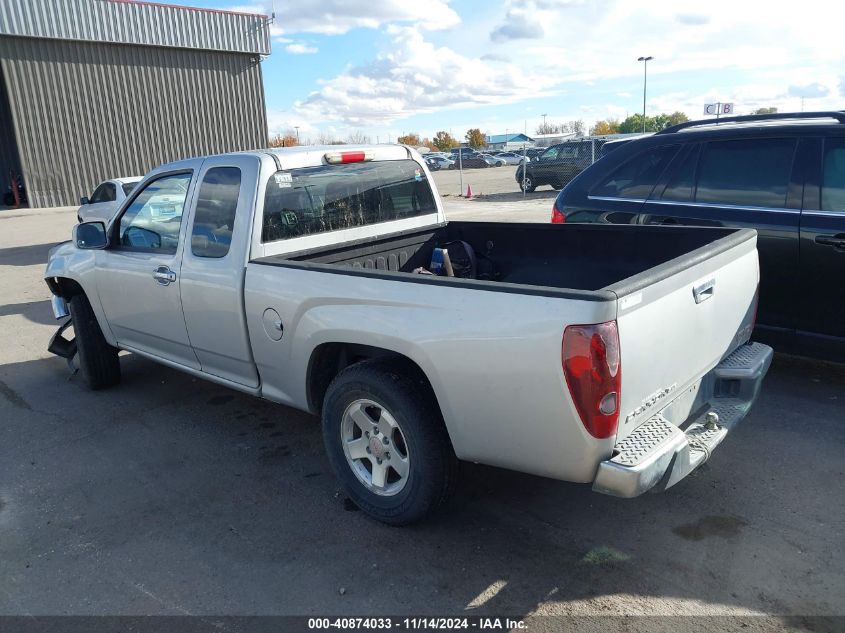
(95,89)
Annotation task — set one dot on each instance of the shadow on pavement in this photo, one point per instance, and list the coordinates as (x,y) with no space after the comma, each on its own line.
(35,311)
(25,255)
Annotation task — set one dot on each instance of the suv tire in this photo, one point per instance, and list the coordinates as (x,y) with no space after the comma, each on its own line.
(98,360)
(526,184)
(377,414)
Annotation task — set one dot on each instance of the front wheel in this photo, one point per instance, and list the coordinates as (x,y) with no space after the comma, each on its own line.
(526,184)
(387,442)
(98,361)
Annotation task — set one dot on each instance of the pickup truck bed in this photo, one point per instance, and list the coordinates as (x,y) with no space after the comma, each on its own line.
(570,260)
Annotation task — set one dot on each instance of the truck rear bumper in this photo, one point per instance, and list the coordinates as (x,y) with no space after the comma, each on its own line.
(658,454)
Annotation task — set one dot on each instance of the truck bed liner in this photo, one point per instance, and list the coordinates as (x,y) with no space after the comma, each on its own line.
(581,258)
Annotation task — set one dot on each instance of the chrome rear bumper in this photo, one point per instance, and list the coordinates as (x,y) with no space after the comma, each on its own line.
(658,454)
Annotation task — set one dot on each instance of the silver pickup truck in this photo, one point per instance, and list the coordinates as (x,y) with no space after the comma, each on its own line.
(606,354)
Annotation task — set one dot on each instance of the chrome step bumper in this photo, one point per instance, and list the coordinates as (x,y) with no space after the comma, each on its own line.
(658,454)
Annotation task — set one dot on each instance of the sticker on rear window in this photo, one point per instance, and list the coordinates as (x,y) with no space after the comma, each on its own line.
(284,180)
(417,175)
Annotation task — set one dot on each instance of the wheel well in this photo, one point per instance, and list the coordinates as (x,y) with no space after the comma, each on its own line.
(64,287)
(329,359)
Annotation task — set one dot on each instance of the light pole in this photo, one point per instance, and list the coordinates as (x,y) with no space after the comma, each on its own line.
(296,127)
(645,61)
(544,124)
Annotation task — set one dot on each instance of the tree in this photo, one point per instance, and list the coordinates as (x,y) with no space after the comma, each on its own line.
(576,128)
(634,123)
(327,138)
(358,138)
(765,111)
(476,138)
(603,128)
(410,139)
(288,139)
(427,142)
(444,141)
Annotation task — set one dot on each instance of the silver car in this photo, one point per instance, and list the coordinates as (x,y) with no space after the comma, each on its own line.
(106,199)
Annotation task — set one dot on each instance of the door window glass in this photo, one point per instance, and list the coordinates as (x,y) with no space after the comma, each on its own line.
(636,178)
(747,172)
(682,182)
(152,221)
(833,175)
(104,193)
(550,154)
(214,219)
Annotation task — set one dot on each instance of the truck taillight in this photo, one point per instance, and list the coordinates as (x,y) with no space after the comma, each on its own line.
(593,371)
(558,216)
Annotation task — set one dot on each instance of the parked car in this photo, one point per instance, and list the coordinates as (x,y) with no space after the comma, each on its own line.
(510,158)
(781,174)
(300,277)
(493,161)
(440,163)
(106,199)
(475,161)
(433,165)
(559,164)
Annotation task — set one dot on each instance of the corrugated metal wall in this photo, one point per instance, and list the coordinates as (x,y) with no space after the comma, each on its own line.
(8,146)
(142,23)
(84,112)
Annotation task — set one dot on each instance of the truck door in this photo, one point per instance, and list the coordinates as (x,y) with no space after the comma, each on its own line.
(822,267)
(138,275)
(214,264)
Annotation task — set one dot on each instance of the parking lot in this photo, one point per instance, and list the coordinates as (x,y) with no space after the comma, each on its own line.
(170,495)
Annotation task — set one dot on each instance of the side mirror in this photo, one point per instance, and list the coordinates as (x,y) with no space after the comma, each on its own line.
(84,200)
(90,236)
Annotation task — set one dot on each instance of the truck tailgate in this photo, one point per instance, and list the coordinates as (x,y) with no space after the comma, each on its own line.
(678,321)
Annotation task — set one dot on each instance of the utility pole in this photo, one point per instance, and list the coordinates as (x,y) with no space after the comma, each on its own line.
(296,127)
(544,124)
(645,61)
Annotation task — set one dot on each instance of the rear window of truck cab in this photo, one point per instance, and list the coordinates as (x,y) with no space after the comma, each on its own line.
(314,200)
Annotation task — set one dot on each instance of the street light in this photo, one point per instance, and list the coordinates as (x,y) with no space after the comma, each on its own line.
(544,124)
(296,127)
(645,61)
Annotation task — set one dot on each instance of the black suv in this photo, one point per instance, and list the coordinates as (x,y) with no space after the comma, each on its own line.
(781,174)
(559,164)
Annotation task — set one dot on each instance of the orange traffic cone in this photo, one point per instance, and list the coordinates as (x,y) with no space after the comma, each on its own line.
(469,192)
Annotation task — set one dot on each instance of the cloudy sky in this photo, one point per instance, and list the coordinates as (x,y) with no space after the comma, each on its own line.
(387,67)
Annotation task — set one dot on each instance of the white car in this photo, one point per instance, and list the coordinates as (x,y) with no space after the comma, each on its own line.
(512,158)
(106,199)
(443,162)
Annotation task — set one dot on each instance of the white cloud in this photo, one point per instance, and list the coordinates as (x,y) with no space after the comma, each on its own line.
(412,77)
(810,91)
(301,49)
(335,17)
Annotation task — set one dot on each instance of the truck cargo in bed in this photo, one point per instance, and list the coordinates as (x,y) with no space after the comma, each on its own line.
(614,355)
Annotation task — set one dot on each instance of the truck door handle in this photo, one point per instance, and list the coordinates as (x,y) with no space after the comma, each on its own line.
(703,292)
(836,241)
(164,276)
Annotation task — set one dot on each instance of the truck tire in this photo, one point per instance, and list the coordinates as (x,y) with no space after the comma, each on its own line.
(98,360)
(387,442)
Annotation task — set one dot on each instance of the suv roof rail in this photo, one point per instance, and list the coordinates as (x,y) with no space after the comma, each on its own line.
(838,115)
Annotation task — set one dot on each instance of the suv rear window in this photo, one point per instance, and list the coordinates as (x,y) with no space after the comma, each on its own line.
(314,200)
(747,172)
(637,177)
